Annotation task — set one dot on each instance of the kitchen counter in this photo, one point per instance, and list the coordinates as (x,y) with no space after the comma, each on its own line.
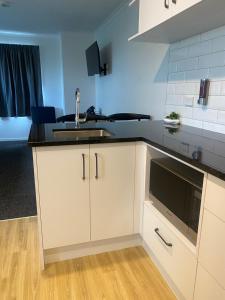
(200,148)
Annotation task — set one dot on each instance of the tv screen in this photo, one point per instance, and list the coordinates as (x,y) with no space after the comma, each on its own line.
(93,60)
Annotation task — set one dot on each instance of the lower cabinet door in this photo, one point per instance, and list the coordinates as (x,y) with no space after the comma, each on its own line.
(176,259)
(112,190)
(63,183)
(212,246)
(206,287)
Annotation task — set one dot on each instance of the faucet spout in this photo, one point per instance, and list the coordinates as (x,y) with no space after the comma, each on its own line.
(77,108)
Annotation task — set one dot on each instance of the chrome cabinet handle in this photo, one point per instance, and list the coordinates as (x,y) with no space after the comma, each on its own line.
(164,241)
(96,165)
(83,159)
(166,4)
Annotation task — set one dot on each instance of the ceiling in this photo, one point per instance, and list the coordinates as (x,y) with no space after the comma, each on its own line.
(53,16)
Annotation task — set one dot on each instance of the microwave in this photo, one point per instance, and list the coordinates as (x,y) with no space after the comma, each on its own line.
(176,191)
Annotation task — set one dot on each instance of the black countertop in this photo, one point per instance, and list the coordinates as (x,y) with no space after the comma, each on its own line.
(200,148)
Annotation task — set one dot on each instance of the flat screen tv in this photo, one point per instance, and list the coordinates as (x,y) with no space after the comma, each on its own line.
(93,60)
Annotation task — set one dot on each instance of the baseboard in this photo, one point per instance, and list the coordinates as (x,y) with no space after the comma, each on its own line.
(91,248)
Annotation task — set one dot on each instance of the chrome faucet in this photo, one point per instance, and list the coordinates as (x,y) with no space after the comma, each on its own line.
(78,120)
(77,108)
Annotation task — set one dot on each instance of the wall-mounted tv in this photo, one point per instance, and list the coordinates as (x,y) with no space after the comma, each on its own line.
(93,60)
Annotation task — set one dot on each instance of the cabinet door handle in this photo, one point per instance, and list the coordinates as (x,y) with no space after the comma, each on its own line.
(96,165)
(164,241)
(83,159)
(166,4)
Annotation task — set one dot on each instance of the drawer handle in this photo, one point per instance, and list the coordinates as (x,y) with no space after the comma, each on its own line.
(96,165)
(165,242)
(166,3)
(83,159)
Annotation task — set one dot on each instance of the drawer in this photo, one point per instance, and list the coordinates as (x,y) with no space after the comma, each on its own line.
(177,261)
(206,287)
(215,196)
(212,247)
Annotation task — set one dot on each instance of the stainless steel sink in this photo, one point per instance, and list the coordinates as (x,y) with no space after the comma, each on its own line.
(80,133)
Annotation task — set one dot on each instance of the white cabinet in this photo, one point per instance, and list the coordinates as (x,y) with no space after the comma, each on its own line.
(63,195)
(211,269)
(206,287)
(85,192)
(155,12)
(178,6)
(152,13)
(168,21)
(112,190)
(172,254)
(215,197)
(212,247)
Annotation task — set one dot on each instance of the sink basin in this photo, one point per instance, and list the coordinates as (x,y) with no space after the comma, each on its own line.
(80,133)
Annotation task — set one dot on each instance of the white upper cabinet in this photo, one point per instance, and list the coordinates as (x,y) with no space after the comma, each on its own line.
(64,195)
(155,12)
(152,13)
(178,6)
(112,190)
(168,21)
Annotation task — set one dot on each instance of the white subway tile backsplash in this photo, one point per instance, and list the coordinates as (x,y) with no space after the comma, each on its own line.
(176,77)
(196,75)
(186,112)
(217,73)
(217,102)
(179,88)
(178,54)
(201,114)
(221,117)
(174,100)
(188,64)
(192,122)
(201,56)
(190,41)
(171,88)
(215,88)
(222,83)
(171,108)
(212,34)
(212,60)
(200,49)
(218,44)
(173,67)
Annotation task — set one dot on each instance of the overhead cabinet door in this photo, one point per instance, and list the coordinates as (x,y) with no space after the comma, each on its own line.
(112,190)
(64,195)
(153,13)
(177,6)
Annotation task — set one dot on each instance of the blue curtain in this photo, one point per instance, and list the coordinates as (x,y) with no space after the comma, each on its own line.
(20,80)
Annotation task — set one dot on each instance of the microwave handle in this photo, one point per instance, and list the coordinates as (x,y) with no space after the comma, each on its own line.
(164,241)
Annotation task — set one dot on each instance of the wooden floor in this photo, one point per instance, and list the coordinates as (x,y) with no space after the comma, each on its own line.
(126,274)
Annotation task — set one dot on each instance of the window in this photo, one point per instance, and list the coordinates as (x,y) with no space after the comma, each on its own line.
(20,80)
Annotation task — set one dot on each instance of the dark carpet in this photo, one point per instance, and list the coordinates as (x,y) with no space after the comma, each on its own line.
(17,192)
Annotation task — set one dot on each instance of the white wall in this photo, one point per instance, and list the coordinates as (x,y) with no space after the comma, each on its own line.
(75,70)
(50,53)
(199,57)
(138,78)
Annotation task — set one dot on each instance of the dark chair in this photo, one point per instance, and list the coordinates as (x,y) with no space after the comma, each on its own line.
(128,117)
(41,115)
